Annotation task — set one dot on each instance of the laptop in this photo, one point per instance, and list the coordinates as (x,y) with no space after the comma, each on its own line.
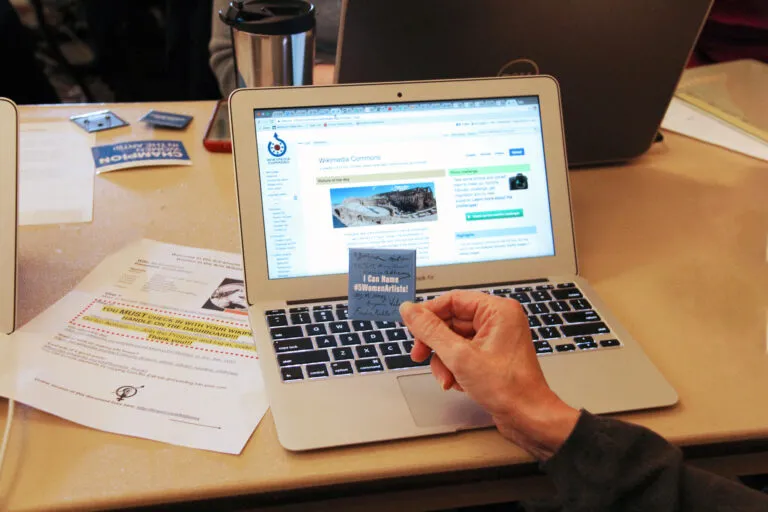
(485,161)
(8,176)
(617,65)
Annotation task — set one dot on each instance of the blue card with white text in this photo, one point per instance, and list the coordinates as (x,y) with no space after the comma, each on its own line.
(379,281)
(139,153)
(166,119)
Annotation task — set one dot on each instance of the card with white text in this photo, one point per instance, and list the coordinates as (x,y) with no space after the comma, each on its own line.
(379,281)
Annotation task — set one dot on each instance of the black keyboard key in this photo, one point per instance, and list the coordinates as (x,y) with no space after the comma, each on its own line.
(520,297)
(369,365)
(418,299)
(405,361)
(342,314)
(583,339)
(342,368)
(610,343)
(566,285)
(407,346)
(541,296)
(537,308)
(342,353)
(292,373)
(341,306)
(396,334)
(351,338)
(362,325)
(300,318)
(277,320)
(315,329)
(587,345)
(523,289)
(293,345)
(533,321)
(364,351)
(274,312)
(315,371)
(384,325)
(551,319)
(534,335)
(581,304)
(584,329)
(565,347)
(323,316)
(372,337)
(542,347)
(559,306)
(567,293)
(326,341)
(322,307)
(337,327)
(431,297)
(294,358)
(502,291)
(390,349)
(581,316)
(544,287)
(549,333)
(284,333)
(298,310)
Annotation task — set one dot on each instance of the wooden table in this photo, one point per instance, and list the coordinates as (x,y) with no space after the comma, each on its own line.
(675,242)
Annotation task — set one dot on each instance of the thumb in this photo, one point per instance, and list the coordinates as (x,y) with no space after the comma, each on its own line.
(431,330)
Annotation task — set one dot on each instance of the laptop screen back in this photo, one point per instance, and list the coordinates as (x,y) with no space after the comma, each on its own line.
(459,181)
(8,168)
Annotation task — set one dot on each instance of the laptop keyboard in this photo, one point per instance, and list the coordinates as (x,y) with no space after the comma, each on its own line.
(320,341)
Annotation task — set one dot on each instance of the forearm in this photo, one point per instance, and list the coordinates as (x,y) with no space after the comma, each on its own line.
(606,464)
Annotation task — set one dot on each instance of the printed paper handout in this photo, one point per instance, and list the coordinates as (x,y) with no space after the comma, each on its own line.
(140,153)
(379,281)
(154,343)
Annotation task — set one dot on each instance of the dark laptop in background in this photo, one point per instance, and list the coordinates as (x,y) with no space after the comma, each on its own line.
(617,63)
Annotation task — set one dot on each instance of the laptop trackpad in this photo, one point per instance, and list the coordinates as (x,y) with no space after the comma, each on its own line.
(430,406)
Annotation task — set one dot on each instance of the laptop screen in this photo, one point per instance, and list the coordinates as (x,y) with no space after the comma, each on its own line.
(459,181)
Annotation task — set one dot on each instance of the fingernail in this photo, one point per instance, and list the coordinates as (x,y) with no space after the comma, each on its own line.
(407,309)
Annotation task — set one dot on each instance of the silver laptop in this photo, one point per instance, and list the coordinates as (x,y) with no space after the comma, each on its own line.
(617,64)
(487,159)
(8,176)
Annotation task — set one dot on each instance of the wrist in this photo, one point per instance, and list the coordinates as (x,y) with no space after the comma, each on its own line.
(540,429)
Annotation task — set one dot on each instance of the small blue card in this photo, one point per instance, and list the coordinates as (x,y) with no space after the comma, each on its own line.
(166,119)
(379,281)
(140,153)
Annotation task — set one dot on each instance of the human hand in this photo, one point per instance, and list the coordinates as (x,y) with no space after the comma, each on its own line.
(482,346)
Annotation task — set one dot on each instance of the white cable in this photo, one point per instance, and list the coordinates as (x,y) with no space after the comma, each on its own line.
(6,434)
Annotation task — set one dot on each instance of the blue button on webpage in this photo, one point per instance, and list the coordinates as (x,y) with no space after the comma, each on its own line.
(516,152)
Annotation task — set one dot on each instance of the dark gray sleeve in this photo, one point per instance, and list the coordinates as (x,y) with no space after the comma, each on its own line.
(606,464)
(222,56)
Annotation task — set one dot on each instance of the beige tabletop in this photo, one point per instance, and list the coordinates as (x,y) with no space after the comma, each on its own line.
(675,243)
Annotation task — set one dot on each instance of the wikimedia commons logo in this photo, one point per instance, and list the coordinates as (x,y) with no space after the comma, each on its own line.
(276,146)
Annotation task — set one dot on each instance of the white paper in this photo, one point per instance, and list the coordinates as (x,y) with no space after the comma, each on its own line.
(686,119)
(56,174)
(154,343)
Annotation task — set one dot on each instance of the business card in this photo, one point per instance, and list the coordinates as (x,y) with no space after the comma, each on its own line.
(140,153)
(379,281)
(166,119)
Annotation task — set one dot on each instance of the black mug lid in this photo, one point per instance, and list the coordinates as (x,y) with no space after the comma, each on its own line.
(270,17)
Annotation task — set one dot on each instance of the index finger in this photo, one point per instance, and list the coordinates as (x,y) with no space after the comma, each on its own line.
(465,305)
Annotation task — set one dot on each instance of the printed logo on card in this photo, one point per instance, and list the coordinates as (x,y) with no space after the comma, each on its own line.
(276,146)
